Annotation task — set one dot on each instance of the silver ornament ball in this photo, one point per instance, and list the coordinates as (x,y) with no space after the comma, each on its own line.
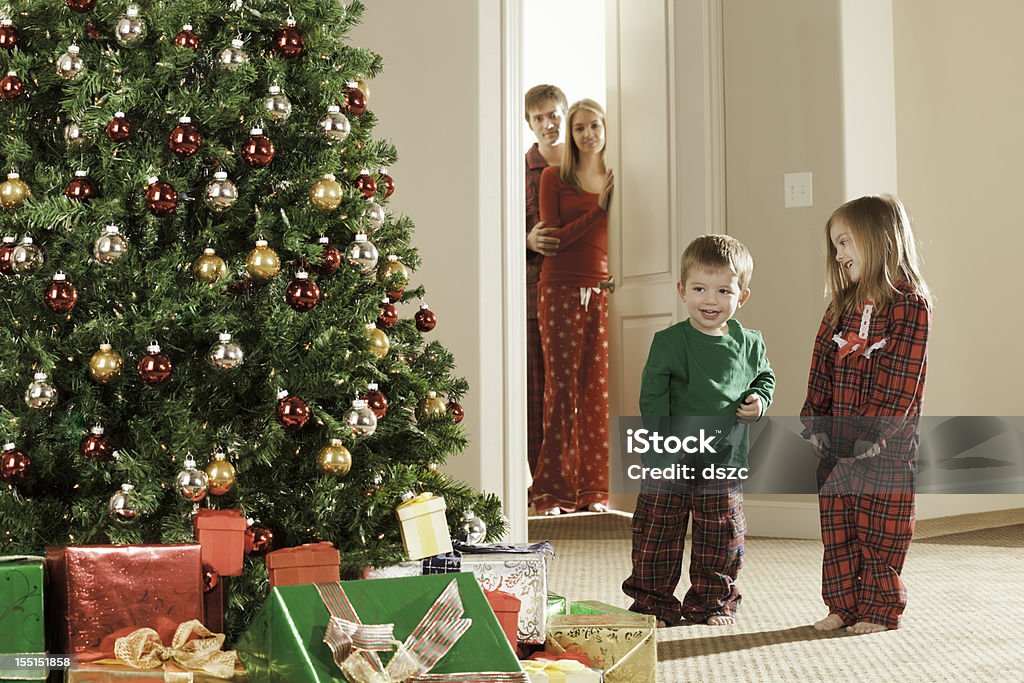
(278,107)
(233,57)
(123,505)
(221,194)
(363,253)
(109,247)
(69,64)
(334,125)
(41,394)
(374,214)
(192,483)
(26,257)
(226,355)
(74,136)
(361,419)
(130,29)
(472,530)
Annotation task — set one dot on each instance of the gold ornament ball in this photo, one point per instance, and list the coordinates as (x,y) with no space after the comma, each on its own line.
(13,192)
(379,342)
(209,267)
(430,406)
(325,195)
(364,88)
(334,459)
(393,268)
(262,262)
(221,474)
(105,365)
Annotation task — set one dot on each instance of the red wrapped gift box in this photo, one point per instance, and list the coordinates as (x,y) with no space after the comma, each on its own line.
(506,608)
(98,593)
(221,533)
(309,563)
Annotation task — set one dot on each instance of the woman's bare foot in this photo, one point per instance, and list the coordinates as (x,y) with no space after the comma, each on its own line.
(862,627)
(720,620)
(832,622)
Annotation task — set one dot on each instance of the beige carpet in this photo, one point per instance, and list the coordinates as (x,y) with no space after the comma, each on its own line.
(964,622)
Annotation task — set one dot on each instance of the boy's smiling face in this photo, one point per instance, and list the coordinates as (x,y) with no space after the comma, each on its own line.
(712,298)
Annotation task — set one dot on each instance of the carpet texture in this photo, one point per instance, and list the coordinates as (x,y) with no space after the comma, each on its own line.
(964,621)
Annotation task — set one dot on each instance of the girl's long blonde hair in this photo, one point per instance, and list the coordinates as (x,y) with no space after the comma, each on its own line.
(570,152)
(888,253)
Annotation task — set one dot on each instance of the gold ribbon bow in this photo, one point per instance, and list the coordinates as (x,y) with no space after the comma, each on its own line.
(143,649)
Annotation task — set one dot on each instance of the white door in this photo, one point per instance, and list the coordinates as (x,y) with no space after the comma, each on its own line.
(664,145)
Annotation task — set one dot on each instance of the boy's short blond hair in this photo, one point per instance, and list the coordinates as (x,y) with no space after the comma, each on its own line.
(715,253)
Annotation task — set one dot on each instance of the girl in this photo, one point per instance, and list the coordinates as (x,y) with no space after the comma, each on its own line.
(863,403)
(572,467)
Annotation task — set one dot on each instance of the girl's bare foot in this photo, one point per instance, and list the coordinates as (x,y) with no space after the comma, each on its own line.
(832,622)
(862,627)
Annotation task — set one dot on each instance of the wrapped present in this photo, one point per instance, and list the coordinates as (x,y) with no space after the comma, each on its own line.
(99,593)
(524,575)
(194,654)
(309,563)
(448,563)
(221,533)
(623,646)
(560,671)
(213,606)
(596,607)
(424,526)
(557,604)
(442,624)
(506,609)
(21,612)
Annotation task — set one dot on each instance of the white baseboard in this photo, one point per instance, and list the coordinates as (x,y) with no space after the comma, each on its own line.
(782,519)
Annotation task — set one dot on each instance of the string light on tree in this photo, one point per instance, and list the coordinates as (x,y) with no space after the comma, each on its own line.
(130,28)
(288,41)
(225,355)
(334,125)
(123,505)
(161,198)
(232,57)
(221,474)
(325,195)
(154,368)
(96,445)
(11,87)
(291,412)
(209,267)
(184,139)
(262,263)
(334,459)
(81,188)
(192,483)
(26,257)
(10,37)
(387,182)
(105,365)
(60,296)
(362,253)
(425,318)
(40,394)
(187,38)
(14,191)
(355,100)
(69,64)
(15,465)
(365,183)
(258,150)
(221,193)
(110,246)
(360,419)
(379,342)
(277,104)
(302,294)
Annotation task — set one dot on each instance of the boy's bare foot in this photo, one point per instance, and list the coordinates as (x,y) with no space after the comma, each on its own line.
(862,627)
(552,512)
(597,507)
(662,624)
(720,620)
(832,622)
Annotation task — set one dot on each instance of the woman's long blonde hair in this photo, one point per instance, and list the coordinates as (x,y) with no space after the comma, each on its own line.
(570,152)
(885,241)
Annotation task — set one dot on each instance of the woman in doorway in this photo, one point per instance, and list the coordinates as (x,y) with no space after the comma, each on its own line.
(572,468)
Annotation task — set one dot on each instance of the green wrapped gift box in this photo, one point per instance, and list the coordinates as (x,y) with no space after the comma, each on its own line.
(557,604)
(21,612)
(596,607)
(285,641)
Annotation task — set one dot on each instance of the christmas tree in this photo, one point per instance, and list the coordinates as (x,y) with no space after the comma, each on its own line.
(197,222)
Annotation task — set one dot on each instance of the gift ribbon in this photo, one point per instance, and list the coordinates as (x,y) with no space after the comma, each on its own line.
(355,645)
(856,343)
(142,649)
(416,500)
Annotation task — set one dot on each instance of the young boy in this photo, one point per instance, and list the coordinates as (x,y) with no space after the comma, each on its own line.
(707,368)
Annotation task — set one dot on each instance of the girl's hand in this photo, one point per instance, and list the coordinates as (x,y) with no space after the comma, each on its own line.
(750,409)
(865,449)
(820,442)
(606,192)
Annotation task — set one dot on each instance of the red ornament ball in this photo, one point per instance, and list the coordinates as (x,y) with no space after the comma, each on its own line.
(96,445)
(261,539)
(81,188)
(60,296)
(187,38)
(292,413)
(161,198)
(119,129)
(10,37)
(81,5)
(366,184)
(355,100)
(5,256)
(388,315)
(11,87)
(377,402)
(241,286)
(387,182)
(93,32)
(425,319)
(288,41)
(302,294)
(456,411)
(155,367)
(211,578)
(396,295)
(330,260)
(184,139)
(258,150)
(15,465)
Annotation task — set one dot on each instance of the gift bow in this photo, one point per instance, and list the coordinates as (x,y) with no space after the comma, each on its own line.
(856,343)
(143,649)
(355,645)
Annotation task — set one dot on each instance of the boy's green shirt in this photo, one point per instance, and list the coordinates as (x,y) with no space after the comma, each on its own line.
(690,374)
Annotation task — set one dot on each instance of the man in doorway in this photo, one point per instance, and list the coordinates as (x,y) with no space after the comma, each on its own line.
(545,111)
